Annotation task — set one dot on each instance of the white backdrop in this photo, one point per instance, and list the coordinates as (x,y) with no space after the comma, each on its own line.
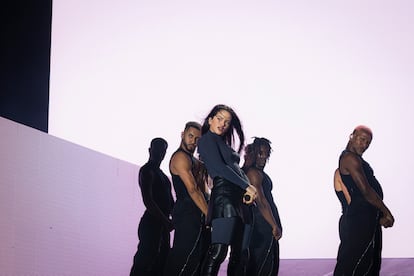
(303,74)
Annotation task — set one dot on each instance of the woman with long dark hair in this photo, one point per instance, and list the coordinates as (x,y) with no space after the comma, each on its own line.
(231,189)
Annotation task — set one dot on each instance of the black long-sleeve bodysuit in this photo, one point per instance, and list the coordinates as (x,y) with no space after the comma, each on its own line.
(225,209)
(230,181)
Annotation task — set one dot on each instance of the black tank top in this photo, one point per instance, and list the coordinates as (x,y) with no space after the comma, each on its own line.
(181,192)
(342,200)
(161,188)
(355,193)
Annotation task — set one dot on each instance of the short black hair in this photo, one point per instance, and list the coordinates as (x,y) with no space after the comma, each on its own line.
(193,124)
(158,141)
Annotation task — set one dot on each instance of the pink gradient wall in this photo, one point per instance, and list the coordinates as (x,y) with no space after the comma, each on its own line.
(301,73)
(64,209)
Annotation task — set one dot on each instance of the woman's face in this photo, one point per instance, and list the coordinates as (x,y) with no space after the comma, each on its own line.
(220,123)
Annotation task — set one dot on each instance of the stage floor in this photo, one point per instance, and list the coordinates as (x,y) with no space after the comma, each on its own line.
(325,267)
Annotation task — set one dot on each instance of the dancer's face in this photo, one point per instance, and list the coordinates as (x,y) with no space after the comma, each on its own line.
(220,123)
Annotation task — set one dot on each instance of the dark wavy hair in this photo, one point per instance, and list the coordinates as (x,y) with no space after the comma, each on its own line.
(235,125)
(260,141)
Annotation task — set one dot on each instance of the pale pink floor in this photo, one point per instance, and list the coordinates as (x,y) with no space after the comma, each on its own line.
(324,267)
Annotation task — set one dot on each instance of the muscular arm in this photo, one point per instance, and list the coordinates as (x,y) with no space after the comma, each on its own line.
(146,180)
(351,164)
(181,165)
(256,179)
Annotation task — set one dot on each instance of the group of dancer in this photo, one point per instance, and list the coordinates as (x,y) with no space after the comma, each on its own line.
(218,204)
(221,205)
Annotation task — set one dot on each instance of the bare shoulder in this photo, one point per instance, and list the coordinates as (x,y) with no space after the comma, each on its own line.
(179,160)
(349,161)
(179,155)
(255,175)
(350,157)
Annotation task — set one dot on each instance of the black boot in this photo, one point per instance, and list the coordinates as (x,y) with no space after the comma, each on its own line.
(215,256)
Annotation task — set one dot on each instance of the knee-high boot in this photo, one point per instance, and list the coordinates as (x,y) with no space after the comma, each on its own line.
(215,256)
(238,263)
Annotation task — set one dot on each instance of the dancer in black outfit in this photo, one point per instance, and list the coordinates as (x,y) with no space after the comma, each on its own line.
(155,225)
(230,184)
(267,227)
(189,177)
(344,199)
(359,252)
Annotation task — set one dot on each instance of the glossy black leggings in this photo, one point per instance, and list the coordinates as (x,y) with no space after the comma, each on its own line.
(222,237)
(215,256)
